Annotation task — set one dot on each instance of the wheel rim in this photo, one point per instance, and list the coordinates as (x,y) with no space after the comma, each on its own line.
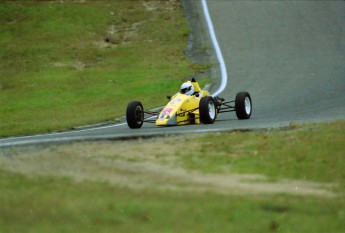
(247,105)
(211,110)
(138,115)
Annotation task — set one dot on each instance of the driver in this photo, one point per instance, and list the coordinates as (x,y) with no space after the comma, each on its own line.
(187,88)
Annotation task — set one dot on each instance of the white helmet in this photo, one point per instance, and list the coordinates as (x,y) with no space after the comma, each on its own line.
(187,88)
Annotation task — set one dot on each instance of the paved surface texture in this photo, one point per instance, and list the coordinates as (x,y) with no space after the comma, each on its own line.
(290,55)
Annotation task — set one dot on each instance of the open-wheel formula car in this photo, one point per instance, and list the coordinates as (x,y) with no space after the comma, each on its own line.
(189,106)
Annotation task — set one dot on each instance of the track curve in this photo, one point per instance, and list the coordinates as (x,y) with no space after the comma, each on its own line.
(290,55)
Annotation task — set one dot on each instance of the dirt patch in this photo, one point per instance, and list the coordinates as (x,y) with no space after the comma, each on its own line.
(120,34)
(150,164)
(78,65)
(124,32)
(167,5)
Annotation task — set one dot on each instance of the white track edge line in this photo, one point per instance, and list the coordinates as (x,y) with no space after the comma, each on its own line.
(67,132)
(224,74)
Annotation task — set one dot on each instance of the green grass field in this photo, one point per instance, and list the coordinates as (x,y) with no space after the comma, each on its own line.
(71,63)
(59,205)
(151,186)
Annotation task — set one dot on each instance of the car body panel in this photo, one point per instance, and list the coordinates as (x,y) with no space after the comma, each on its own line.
(182,109)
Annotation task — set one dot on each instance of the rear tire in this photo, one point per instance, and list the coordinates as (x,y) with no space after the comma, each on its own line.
(207,110)
(243,105)
(135,115)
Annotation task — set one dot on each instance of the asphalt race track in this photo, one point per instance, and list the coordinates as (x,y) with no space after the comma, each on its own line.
(289,55)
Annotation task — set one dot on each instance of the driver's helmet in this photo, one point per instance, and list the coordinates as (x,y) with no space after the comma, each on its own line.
(187,88)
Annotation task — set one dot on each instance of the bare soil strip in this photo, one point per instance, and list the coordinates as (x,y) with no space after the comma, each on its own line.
(151,165)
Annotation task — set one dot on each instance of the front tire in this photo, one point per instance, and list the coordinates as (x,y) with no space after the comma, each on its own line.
(207,110)
(243,105)
(135,115)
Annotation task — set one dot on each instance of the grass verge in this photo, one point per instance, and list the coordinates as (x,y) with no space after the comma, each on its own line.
(70,63)
(312,152)
(151,186)
(42,204)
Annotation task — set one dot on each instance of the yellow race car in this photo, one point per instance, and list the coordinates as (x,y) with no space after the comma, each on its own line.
(189,106)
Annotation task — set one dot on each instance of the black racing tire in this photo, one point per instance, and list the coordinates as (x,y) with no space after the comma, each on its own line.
(135,115)
(207,110)
(243,105)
